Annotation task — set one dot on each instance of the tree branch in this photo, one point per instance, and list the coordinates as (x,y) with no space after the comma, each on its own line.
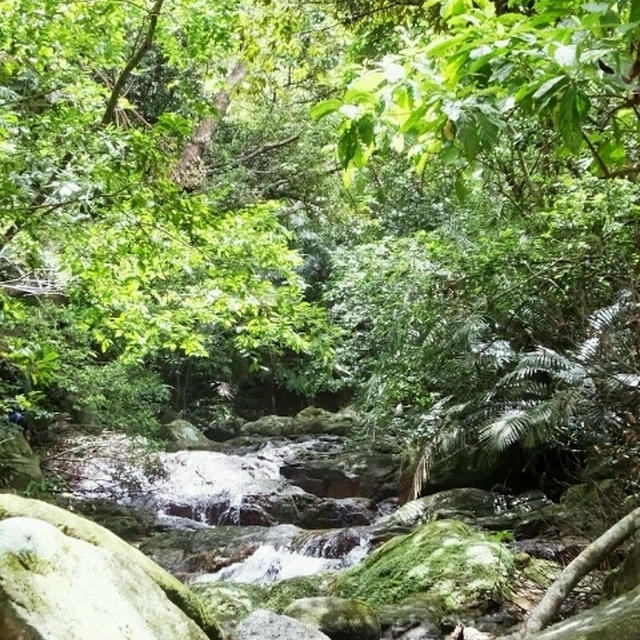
(133,62)
(588,560)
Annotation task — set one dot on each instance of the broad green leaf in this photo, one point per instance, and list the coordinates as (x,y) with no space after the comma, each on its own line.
(325,108)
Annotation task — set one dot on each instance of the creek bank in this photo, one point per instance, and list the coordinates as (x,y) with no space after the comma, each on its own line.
(287,509)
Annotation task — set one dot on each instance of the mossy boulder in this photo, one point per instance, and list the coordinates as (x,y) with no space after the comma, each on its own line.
(80,528)
(618,619)
(339,618)
(55,586)
(445,562)
(19,466)
(271,426)
(318,421)
(181,435)
(229,602)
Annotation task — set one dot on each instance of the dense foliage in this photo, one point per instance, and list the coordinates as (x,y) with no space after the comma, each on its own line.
(429,209)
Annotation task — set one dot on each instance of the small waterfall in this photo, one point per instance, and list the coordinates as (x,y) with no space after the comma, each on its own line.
(191,490)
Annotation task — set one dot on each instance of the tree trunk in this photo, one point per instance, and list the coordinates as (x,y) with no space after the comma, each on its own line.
(190,170)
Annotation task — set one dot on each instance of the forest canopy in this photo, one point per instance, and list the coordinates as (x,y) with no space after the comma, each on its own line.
(426,208)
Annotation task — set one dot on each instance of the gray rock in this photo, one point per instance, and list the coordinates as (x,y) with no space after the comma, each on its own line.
(266,625)
(55,586)
(183,435)
(339,618)
(409,620)
(19,466)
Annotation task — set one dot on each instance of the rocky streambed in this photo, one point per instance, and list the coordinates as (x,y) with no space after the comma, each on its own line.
(288,516)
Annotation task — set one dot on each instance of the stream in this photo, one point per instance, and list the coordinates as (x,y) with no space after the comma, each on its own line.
(249,497)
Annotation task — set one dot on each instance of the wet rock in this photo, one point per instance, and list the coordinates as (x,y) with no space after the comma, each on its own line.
(445,562)
(618,619)
(266,625)
(338,618)
(559,550)
(129,523)
(187,553)
(182,435)
(318,421)
(310,421)
(74,526)
(224,428)
(46,574)
(271,426)
(409,620)
(342,474)
(19,466)
(463,503)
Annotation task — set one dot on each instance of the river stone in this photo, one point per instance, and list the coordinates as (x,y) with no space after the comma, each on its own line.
(55,586)
(19,466)
(618,619)
(266,625)
(182,435)
(463,503)
(409,620)
(185,553)
(80,528)
(445,562)
(338,618)
(272,426)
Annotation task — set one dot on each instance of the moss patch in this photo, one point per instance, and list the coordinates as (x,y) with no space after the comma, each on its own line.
(445,562)
(282,594)
(228,601)
(25,561)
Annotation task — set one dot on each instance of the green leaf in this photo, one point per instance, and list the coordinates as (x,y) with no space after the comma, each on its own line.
(324,108)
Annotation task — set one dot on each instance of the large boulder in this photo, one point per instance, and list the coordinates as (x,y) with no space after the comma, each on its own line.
(79,528)
(445,562)
(19,466)
(318,421)
(56,586)
(618,619)
(181,435)
(339,618)
(266,625)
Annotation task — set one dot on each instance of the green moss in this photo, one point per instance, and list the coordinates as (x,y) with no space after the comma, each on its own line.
(25,561)
(446,563)
(228,601)
(282,594)
(542,572)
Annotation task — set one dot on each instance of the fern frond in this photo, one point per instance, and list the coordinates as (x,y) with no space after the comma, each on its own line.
(508,429)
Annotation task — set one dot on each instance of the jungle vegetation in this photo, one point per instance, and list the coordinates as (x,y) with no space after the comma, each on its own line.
(427,208)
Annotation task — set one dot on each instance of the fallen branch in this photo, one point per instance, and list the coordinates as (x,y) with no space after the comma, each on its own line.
(588,560)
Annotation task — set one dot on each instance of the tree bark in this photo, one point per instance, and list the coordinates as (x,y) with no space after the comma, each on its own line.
(190,171)
(588,560)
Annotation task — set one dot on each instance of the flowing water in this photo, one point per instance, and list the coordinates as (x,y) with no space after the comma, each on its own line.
(192,490)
